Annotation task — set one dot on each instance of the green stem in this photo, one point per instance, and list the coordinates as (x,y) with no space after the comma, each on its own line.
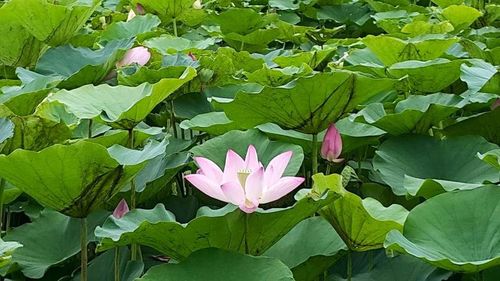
(83,247)
(133,247)
(2,190)
(349,265)
(247,251)
(242,46)
(89,134)
(314,154)
(175,26)
(172,118)
(117,264)
(328,168)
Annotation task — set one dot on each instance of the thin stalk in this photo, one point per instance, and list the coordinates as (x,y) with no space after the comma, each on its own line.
(133,247)
(172,118)
(328,168)
(117,264)
(89,134)
(247,251)
(175,26)
(242,46)
(314,154)
(83,247)
(349,265)
(2,189)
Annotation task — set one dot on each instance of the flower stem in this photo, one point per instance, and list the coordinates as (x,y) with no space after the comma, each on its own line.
(117,264)
(314,156)
(2,191)
(247,251)
(133,247)
(349,265)
(172,118)
(175,26)
(83,248)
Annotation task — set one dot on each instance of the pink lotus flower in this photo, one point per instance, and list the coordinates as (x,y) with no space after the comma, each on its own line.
(140,9)
(245,183)
(332,145)
(139,55)
(121,209)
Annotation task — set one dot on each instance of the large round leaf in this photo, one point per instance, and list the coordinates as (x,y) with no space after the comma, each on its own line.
(216,265)
(425,166)
(361,223)
(216,149)
(222,228)
(456,230)
(41,240)
(120,106)
(309,248)
(308,104)
(416,113)
(65,20)
(73,179)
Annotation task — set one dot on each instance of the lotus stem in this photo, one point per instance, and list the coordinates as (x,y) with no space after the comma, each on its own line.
(242,46)
(314,155)
(349,265)
(133,247)
(90,129)
(175,26)
(2,191)
(117,264)
(83,247)
(172,118)
(247,251)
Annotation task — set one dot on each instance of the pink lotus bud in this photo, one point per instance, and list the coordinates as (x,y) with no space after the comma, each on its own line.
(140,9)
(332,145)
(131,15)
(121,209)
(139,55)
(495,104)
(192,56)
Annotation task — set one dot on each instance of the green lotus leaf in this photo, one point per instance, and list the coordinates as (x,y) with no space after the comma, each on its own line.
(464,237)
(80,66)
(377,266)
(425,166)
(254,41)
(273,77)
(34,133)
(391,50)
(311,58)
(241,21)
(416,113)
(491,157)
(361,223)
(354,135)
(288,5)
(418,27)
(214,123)
(17,47)
(65,20)
(72,179)
(121,106)
(478,75)
(130,29)
(309,248)
(484,124)
(23,99)
(168,44)
(216,148)
(308,104)
(180,10)
(461,16)
(222,228)
(50,239)
(6,251)
(134,75)
(216,264)
(430,76)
